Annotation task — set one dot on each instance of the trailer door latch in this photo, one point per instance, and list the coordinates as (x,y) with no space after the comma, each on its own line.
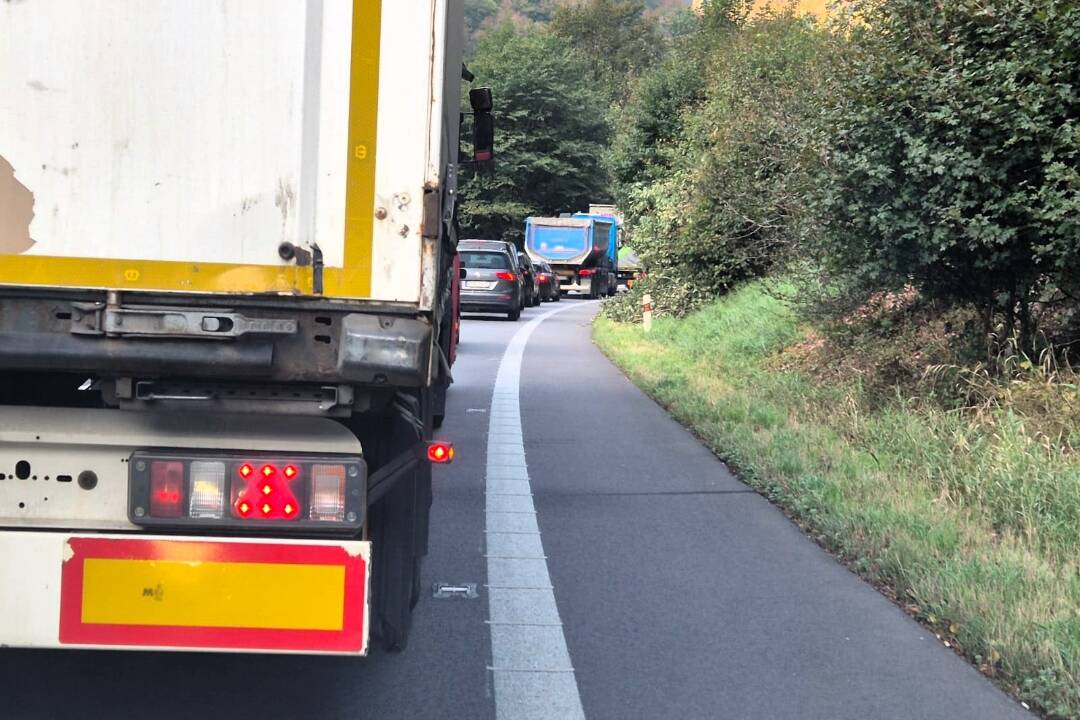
(209,324)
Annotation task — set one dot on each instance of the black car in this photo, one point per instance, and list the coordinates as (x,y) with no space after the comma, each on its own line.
(532,284)
(549,282)
(492,282)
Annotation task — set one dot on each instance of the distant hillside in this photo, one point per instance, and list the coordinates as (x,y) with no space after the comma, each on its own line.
(485,13)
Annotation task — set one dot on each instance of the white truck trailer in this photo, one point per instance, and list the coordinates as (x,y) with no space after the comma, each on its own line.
(226,248)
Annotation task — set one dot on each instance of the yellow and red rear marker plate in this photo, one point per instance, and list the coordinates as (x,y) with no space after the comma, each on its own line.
(213,595)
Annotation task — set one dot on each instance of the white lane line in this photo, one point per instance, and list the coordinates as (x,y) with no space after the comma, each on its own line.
(530,662)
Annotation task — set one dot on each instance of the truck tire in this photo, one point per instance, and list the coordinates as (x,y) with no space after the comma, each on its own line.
(397,523)
(395,566)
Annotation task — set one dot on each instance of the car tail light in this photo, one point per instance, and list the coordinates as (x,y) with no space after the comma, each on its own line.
(503,275)
(440,452)
(316,492)
(586,272)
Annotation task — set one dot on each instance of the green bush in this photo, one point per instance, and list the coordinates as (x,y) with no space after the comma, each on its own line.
(713,167)
(955,149)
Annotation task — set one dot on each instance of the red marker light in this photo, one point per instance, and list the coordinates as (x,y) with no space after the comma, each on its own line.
(246,470)
(266,489)
(266,509)
(288,510)
(243,507)
(440,452)
(290,472)
(268,470)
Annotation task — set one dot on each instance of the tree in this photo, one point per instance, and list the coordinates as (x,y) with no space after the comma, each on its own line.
(476,13)
(551,134)
(617,36)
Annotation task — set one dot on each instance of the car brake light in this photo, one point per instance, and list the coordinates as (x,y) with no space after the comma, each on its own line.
(586,272)
(207,490)
(440,452)
(503,275)
(166,489)
(254,490)
(328,493)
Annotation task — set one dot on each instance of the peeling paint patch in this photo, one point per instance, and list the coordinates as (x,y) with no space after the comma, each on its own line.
(68,551)
(16,212)
(38,86)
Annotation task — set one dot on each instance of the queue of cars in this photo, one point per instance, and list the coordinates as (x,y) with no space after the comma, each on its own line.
(498,278)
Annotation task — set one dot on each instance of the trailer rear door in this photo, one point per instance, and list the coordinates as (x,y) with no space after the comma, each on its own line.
(178,146)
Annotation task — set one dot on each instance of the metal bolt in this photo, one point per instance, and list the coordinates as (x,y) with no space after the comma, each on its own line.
(353,471)
(380,213)
(140,465)
(139,512)
(351,517)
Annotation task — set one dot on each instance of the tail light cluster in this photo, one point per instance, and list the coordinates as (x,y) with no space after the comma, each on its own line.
(248,491)
(503,275)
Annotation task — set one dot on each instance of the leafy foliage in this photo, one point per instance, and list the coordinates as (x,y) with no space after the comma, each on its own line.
(617,35)
(955,150)
(551,134)
(713,164)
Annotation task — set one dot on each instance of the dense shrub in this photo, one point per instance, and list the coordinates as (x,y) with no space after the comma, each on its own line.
(955,153)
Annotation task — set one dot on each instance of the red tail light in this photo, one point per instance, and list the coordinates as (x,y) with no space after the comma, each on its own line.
(503,275)
(440,452)
(167,489)
(315,492)
(586,272)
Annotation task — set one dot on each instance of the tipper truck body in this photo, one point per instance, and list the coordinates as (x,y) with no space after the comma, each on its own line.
(578,249)
(226,318)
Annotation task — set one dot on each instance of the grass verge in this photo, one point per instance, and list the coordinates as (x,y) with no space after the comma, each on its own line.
(973,527)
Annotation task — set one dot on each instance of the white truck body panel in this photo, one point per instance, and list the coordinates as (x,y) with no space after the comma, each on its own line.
(211,131)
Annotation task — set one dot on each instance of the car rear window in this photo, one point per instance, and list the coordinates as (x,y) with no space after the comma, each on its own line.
(485,260)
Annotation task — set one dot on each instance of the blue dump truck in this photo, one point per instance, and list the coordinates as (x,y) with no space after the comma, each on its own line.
(582,250)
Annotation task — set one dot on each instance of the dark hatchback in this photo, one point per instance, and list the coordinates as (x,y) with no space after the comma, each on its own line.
(491,283)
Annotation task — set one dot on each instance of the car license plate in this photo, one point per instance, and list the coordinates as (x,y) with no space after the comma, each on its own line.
(478,285)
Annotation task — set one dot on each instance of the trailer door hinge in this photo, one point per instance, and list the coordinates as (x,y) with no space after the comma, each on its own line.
(209,324)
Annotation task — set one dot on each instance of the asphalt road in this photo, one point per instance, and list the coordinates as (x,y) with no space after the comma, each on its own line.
(680,593)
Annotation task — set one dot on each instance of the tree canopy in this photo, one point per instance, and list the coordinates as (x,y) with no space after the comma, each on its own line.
(551,134)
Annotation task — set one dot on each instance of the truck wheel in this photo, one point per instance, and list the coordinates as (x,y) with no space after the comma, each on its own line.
(394,564)
(397,523)
(438,413)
